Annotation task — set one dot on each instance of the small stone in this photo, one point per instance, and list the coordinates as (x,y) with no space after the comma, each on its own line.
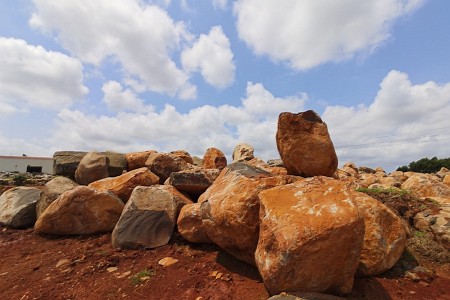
(62,262)
(214,273)
(111,269)
(167,261)
(144,278)
(124,274)
(219,275)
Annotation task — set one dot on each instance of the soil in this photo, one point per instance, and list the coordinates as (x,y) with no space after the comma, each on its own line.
(33,266)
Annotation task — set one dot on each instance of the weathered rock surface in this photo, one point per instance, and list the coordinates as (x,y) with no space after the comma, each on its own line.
(184,155)
(446,180)
(426,185)
(92,167)
(53,189)
(193,181)
(230,208)
(18,207)
(136,160)
(66,162)
(259,163)
(305,145)
(311,236)
(117,163)
(149,217)
(164,164)
(384,238)
(214,159)
(243,152)
(440,226)
(81,210)
(124,184)
(190,225)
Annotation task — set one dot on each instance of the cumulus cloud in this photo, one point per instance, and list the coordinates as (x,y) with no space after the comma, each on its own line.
(119,99)
(195,131)
(309,33)
(31,76)
(211,54)
(139,36)
(405,122)
(220,4)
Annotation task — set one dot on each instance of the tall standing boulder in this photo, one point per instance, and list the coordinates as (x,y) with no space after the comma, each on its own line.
(124,184)
(18,207)
(384,237)
(149,217)
(52,190)
(230,208)
(305,145)
(92,167)
(311,236)
(81,210)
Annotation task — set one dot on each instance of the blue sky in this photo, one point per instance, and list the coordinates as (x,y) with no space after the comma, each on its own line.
(131,75)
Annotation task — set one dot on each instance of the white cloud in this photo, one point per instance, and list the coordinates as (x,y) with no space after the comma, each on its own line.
(220,4)
(309,33)
(31,76)
(404,123)
(211,54)
(141,37)
(167,130)
(119,99)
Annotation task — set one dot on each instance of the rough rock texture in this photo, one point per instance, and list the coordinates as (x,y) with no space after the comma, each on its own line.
(441,221)
(18,207)
(66,162)
(92,167)
(184,155)
(136,160)
(197,161)
(81,210)
(243,152)
(190,224)
(193,181)
(149,217)
(124,184)
(117,163)
(443,172)
(446,180)
(426,185)
(164,164)
(305,145)
(214,159)
(230,208)
(311,236)
(384,238)
(259,163)
(53,189)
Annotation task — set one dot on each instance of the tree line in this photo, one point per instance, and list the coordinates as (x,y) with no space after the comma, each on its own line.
(426,165)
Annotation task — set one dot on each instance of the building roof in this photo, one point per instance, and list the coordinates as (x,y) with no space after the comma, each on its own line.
(25,157)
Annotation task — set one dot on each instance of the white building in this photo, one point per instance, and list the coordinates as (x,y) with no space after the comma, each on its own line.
(23,164)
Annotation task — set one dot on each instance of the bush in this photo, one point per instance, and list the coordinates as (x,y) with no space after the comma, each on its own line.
(19,179)
(426,165)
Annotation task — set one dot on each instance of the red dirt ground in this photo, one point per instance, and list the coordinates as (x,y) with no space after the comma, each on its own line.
(29,270)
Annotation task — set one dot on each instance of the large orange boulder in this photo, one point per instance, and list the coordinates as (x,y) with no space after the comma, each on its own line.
(136,160)
(305,145)
(311,236)
(81,210)
(426,185)
(384,238)
(190,225)
(230,208)
(124,184)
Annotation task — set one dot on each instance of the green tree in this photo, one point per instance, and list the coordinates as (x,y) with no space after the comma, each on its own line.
(426,165)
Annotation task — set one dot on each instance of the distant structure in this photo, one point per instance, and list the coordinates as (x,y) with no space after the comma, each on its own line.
(23,164)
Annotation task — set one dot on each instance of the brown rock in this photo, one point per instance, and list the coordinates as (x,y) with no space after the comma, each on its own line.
(446,180)
(81,210)
(124,184)
(184,155)
(193,181)
(117,163)
(53,189)
(311,235)
(66,162)
(214,159)
(426,185)
(92,167)
(305,145)
(136,160)
(259,163)
(384,238)
(243,152)
(190,224)
(149,217)
(231,206)
(163,164)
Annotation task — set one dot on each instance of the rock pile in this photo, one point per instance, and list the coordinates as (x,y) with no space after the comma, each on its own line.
(300,220)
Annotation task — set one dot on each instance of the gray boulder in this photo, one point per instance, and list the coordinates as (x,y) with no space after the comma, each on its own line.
(53,189)
(18,207)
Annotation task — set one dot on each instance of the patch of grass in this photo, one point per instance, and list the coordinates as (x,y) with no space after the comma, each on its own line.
(139,277)
(423,244)
(19,179)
